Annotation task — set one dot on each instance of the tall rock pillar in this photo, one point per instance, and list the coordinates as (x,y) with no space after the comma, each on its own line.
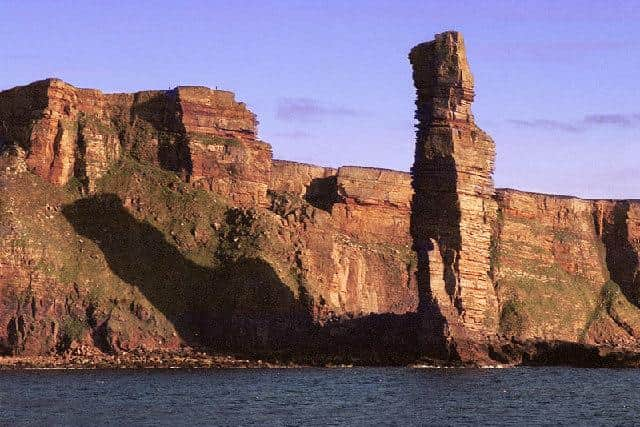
(453,207)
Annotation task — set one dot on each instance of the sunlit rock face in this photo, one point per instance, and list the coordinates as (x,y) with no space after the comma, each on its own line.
(353,235)
(324,246)
(156,220)
(453,207)
(80,133)
(567,269)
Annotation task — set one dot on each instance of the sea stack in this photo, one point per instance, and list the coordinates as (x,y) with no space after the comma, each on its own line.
(453,205)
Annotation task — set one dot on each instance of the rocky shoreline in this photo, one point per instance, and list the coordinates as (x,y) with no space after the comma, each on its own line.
(504,354)
(135,360)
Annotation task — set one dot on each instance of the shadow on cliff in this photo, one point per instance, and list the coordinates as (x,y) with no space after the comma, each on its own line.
(374,339)
(323,193)
(157,133)
(435,219)
(621,257)
(241,307)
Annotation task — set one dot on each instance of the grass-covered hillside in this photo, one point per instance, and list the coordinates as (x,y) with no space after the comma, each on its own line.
(146,261)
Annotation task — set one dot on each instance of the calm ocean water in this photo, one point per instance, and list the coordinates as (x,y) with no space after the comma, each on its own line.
(358,396)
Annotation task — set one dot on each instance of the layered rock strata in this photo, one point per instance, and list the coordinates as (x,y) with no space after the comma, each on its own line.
(154,221)
(556,252)
(353,235)
(76,133)
(453,207)
(338,246)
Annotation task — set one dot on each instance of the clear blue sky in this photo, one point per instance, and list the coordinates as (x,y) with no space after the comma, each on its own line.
(557,83)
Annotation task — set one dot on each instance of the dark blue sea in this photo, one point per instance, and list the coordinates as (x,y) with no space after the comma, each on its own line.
(351,396)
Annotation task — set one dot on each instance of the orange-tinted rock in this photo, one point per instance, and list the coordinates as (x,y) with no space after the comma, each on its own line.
(453,208)
(345,232)
(353,238)
(375,204)
(303,180)
(204,134)
(223,153)
(373,186)
(567,266)
(548,258)
(238,169)
(44,118)
(285,258)
(214,112)
(618,224)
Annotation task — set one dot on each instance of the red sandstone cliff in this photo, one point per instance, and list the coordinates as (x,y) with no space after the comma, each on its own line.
(534,267)
(158,219)
(330,245)
(565,268)
(80,133)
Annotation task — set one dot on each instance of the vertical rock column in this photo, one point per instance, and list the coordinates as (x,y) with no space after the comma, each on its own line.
(453,207)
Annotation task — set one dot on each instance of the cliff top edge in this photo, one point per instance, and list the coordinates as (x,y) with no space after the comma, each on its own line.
(57,82)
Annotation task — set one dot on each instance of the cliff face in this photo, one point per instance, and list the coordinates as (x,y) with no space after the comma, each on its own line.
(158,220)
(351,230)
(203,134)
(557,252)
(273,255)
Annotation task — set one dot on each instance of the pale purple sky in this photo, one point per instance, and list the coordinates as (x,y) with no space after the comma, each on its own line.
(557,83)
